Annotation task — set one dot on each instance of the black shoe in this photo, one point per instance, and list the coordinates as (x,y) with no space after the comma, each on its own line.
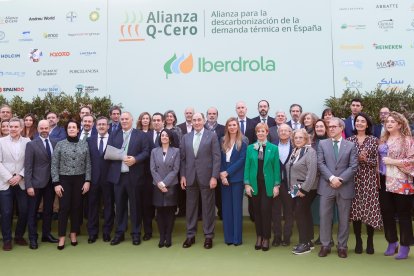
(265,244)
(161,244)
(188,242)
(276,242)
(301,249)
(136,240)
(61,247)
(74,243)
(358,246)
(168,244)
(92,239)
(208,243)
(55,216)
(106,237)
(147,237)
(49,238)
(258,244)
(33,244)
(117,240)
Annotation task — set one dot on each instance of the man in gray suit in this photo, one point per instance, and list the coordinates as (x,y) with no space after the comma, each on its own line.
(337,163)
(200,168)
(39,183)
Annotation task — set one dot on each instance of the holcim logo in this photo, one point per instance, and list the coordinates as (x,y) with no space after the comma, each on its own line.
(59,54)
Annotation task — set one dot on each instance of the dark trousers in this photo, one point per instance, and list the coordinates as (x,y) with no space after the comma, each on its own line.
(48,195)
(262,211)
(182,198)
(396,204)
(303,216)
(125,192)
(232,206)
(148,211)
(70,204)
(218,200)
(283,203)
(105,190)
(165,222)
(6,211)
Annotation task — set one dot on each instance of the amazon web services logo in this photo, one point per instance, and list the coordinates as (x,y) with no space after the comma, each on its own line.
(178,65)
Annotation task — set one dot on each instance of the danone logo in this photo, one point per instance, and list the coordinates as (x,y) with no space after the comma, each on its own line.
(205,65)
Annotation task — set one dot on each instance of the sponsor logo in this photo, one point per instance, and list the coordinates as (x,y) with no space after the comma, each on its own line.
(71,16)
(352,83)
(389,81)
(35,55)
(94,16)
(386,24)
(9,19)
(87,53)
(46,72)
(59,54)
(11,89)
(353,27)
(130,29)
(387,6)
(55,89)
(26,36)
(9,56)
(44,18)
(184,65)
(50,36)
(3,37)
(390,64)
(352,63)
(387,46)
(351,46)
(84,71)
(86,88)
(83,34)
(352,9)
(12,74)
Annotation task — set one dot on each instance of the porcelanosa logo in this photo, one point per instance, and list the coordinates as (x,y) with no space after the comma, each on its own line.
(184,65)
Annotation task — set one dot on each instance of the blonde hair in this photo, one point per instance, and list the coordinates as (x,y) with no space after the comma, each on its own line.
(260,126)
(226,145)
(306,135)
(401,120)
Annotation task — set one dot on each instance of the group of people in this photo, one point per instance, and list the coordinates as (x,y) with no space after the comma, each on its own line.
(359,171)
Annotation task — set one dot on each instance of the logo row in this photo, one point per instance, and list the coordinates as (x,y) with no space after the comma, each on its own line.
(70,16)
(35,55)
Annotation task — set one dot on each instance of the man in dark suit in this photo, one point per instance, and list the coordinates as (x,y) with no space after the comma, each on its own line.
(378,129)
(100,187)
(200,168)
(57,133)
(86,110)
(114,113)
(87,127)
(283,204)
(247,125)
(356,108)
(263,108)
(187,127)
(127,177)
(295,111)
(273,136)
(39,183)
(337,163)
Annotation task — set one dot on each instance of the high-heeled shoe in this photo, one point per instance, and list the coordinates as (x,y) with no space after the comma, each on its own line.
(61,247)
(265,244)
(258,244)
(74,243)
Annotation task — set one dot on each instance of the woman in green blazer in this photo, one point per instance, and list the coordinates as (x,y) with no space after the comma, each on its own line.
(261,182)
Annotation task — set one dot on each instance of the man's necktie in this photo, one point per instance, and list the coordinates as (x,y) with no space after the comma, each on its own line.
(264,121)
(85,135)
(157,139)
(336,149)
(49,152)
(101,147)
(242,126)
(197,142)
(295,126)
(114,127)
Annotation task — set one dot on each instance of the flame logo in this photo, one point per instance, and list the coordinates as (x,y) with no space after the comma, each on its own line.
(130,28)
(178,65)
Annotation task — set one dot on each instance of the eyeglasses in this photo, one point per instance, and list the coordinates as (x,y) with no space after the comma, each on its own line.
(332,127)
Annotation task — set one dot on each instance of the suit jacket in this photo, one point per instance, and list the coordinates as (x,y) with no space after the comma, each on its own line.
(183,127)
(250,132)
(206,164)
(234,168)
(138,147)
(377,130)
(166,172)
(10,163)
(349,131)
(304,170)
(345,167)
(283,172)
(273,136)
(270,121)
(37,164)
(271,168)
(99,166)
(93,132)
(219,130)
(290,124)
(117,129)
(58,134)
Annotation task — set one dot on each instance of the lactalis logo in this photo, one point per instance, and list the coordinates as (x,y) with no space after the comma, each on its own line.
(179,65)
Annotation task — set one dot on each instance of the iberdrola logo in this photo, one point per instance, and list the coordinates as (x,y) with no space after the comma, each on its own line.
(178,65)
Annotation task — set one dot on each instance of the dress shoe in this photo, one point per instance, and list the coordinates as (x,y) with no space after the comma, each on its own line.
(324,251)
(265,244)
(392,249)
(188,242)
(7,246)
(117,240)
(92,239)
(342,253)
(276,242)
(33,244)
(49,238)
(20,241)
(161,244)
(208,243)
(136,240)
(106,237)
(147,237)
(168,244)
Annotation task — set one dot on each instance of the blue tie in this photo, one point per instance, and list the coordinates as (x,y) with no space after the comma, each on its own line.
(114,127)
(49,152)
(242,126)
(101,146)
